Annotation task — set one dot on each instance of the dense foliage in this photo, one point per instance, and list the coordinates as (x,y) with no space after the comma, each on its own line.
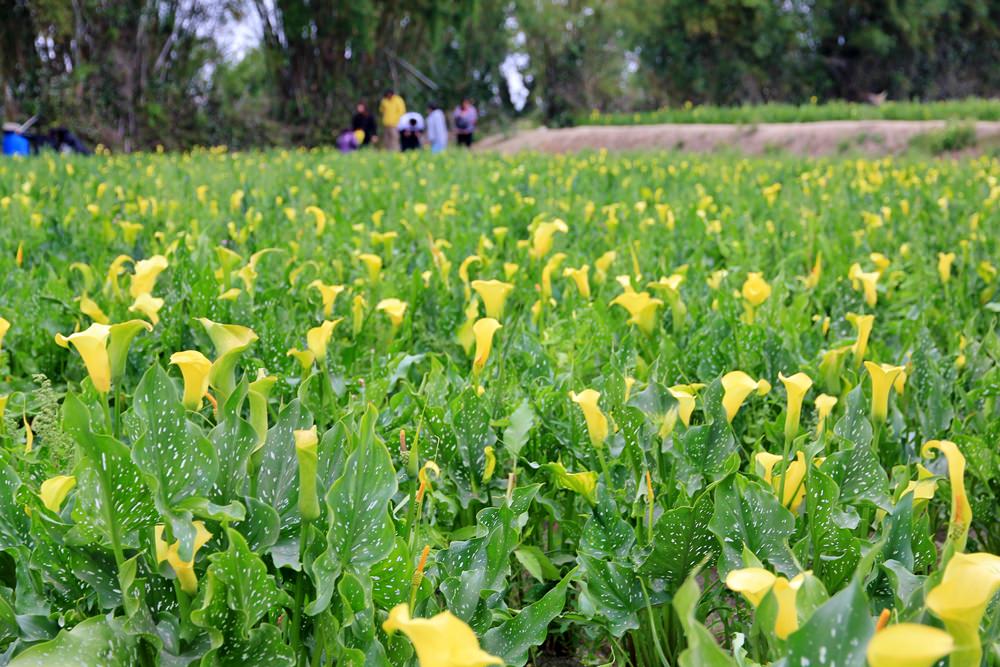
(138,73)
(289,408)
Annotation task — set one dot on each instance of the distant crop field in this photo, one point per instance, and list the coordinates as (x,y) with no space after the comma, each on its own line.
(302,408)
(957,110)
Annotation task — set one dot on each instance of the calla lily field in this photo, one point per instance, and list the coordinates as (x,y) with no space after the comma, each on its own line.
(296,408)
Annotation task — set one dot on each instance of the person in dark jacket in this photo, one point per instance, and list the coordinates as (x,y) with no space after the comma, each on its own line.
(364,121)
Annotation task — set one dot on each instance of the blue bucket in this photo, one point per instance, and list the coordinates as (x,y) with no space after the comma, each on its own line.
(15,144)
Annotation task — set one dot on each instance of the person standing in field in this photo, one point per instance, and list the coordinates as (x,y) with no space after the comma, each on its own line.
(392,107)
(465,118)
(437,128)
(364,121)
(410,127)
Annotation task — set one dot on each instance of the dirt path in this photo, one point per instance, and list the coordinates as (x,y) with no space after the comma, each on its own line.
(824,138)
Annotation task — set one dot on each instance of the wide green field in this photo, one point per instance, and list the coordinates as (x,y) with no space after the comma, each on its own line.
(298,408)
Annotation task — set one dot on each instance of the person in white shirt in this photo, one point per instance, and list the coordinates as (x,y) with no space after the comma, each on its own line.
(437,128)
(411,126)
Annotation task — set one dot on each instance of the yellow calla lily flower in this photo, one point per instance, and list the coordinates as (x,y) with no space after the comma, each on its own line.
(394,309)
(863,325)
(597,423)
(602,265)
(793,479)
(824,406)
(306,442)
(4,328)
(684,394)
(580,278)
(961,510)
(880,261)
(304,357)
(441,641)
(883,377)
(318,338)
(230,341)
(116,269)
(195,368)
(328,293)
(146,272)
(258,392)
(3,405)
(541,241)
(494,295)
(969,583)
(865,281)
(148,305)
(510,269)
(755,289)
(463,271)
(373,265)
(358,305)
(812,280)
(945,260)
(550,267)
(736,386)
(909,645)
(89,308)
(228,261)
(796,387)
(641,308)
(755,583)
(170,553)
(319,217)
(484,330)
(103,349)
(54,490)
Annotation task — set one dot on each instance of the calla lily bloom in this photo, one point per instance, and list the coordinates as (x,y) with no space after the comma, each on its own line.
(319,217)
(373,265)
(170,553)
(580,278)
(796,387)
(597,423)
(328,293)
(90,308)
(755,289)
(195,368)
(812,280)
(4,328)
(441,641)
(641,308)
(394,309)
(865,281)
(793,477)
(883,377)
(148,305)
(230,341)
(358,305)
(602,265)
(880,261)
(684,394)
(909,645)
(945,260)
(510,269)
(257,394)
(228,261)
(304,357)
(54,490)
(484,330)
(863,325)
(463,272)
(755,583)
(146,272)
(541,241)
(104,349)
(961,510)
(969,583)
(736,386)
(824,406)
(547,271)
(670,288)
(306,441)
(494,295)
(318,339)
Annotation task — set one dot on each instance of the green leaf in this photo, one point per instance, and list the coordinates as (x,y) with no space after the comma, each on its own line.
(606,534)
(361,531)
(14,523)
(859,476)
(234,440)
(277,479)
(97,640)
(854,425)
(512,639)
(536,563)
(748,515)
(837,634)
(391,577)
(109,491)
(176,459)
(612,591)
(701,651)
(681,541)
(836,551)
(515,436)
(250,590)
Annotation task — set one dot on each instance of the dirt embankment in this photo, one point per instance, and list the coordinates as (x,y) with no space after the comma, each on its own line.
(824,138)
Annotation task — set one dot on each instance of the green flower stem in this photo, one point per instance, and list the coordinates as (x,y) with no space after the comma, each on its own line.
(296,628)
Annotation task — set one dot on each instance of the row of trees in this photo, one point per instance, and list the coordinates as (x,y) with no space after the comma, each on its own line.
(135,73)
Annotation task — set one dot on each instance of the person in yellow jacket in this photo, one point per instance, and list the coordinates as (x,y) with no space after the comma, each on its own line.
(392,107)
